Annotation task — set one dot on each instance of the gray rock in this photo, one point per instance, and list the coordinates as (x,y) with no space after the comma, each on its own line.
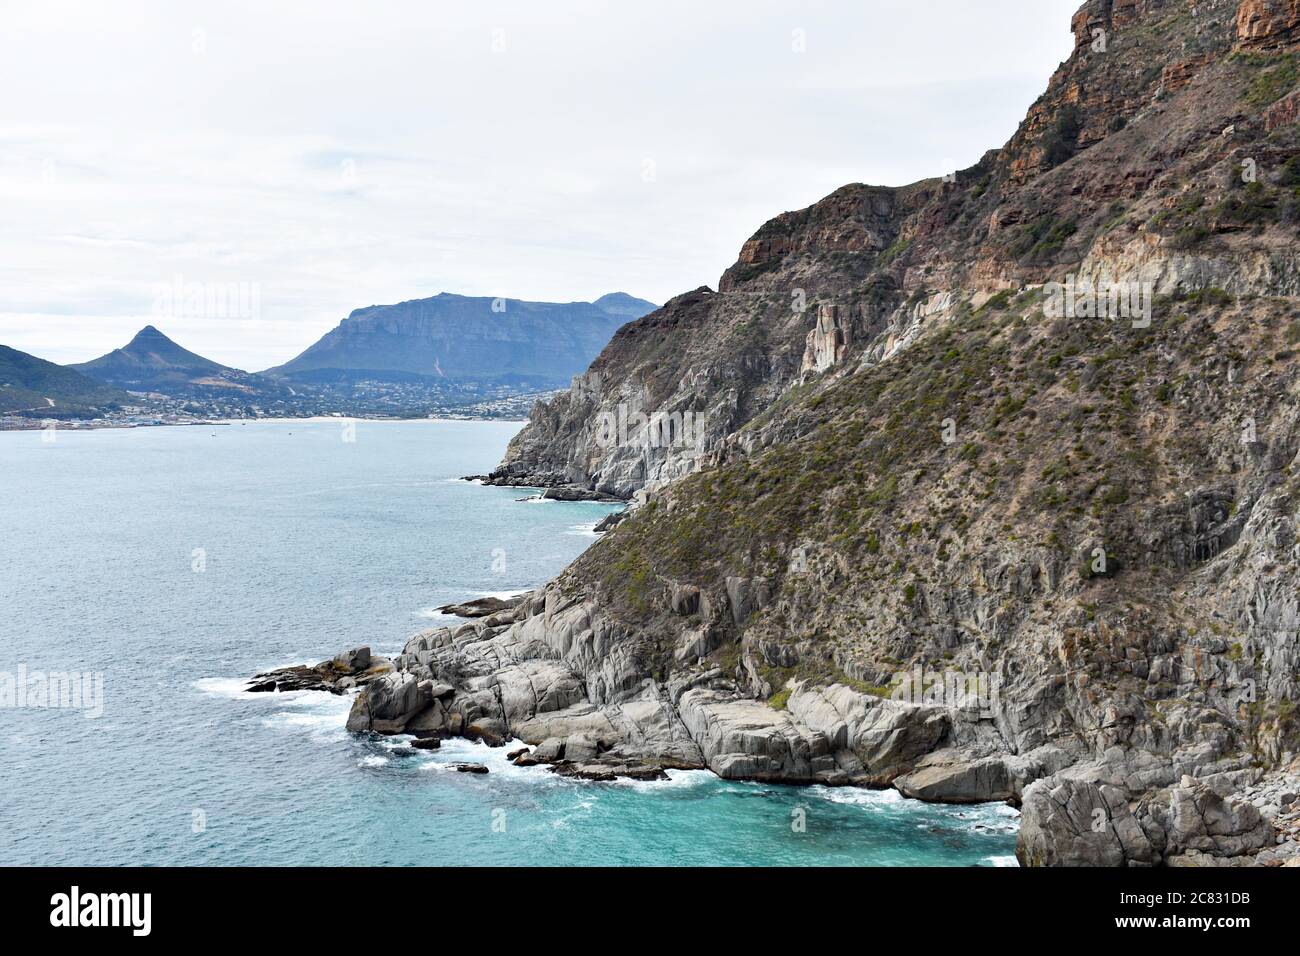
(549,750)
(1200,819)
(482,607)
(385,705)
(357,659)
(1072,823)
(976,781)
(684,599)
(610,521)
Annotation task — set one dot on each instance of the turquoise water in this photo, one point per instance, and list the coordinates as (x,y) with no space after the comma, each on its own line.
(312,544)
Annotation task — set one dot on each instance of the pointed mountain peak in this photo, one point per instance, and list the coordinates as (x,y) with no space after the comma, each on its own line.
(149,348)
(147,333)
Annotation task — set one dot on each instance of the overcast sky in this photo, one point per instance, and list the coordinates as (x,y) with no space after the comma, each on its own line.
(319,157)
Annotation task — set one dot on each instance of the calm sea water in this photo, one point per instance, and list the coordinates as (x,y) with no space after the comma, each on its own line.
(178,561)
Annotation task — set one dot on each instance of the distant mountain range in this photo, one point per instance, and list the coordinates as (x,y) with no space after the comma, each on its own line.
(33,387)
(458,338)
(445,353)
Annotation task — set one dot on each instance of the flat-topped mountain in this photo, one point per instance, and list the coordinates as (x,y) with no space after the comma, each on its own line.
(458,338)
(33,387)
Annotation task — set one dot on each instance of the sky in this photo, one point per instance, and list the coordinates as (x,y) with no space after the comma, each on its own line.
(243,175)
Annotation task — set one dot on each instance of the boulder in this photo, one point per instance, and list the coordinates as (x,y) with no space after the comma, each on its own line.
(975,781)
(430,722)
(357,659)
(610,521)
(482,607)
(1067,822)
(385,705)
(581,747)
(489,730)
(549,750)
(1200,819)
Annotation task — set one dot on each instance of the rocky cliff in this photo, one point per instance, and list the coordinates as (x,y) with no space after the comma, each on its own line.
(990,491)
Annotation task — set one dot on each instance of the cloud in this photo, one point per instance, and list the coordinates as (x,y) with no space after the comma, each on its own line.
(344,154)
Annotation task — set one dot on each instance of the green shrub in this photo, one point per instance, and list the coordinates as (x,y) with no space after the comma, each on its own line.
(1273,83)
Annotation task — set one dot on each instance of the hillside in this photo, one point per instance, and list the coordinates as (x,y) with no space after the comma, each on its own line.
(454,338)
(151,362)
(907,461)
(34,388)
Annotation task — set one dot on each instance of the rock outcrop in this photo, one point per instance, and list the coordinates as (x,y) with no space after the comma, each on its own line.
(347,671)
(1268,23)
(1077,823)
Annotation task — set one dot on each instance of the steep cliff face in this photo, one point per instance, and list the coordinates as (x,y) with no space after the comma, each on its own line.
(1130,163)
(1079,512)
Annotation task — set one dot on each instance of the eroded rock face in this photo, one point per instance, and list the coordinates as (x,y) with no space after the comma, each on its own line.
(385,705)
(1073,822)
(1268,23)
(1070,823)
(828,342)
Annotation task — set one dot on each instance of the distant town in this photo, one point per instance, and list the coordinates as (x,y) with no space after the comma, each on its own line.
(411,402)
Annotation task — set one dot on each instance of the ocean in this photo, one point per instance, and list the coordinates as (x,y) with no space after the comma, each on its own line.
(170,564)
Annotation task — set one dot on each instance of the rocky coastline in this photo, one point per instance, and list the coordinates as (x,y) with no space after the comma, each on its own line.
(923,466)
(551,486)
(555,675)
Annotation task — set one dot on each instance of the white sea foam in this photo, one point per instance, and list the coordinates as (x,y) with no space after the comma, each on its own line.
(232,688)
(677,779)
(433,614)
(318,726)
(583,530)
(1002,860)
(374,760)
(878,800)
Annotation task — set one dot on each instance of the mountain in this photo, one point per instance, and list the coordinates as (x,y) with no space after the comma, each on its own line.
(981,488)
(455,338)
(151,362)
(33,387)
